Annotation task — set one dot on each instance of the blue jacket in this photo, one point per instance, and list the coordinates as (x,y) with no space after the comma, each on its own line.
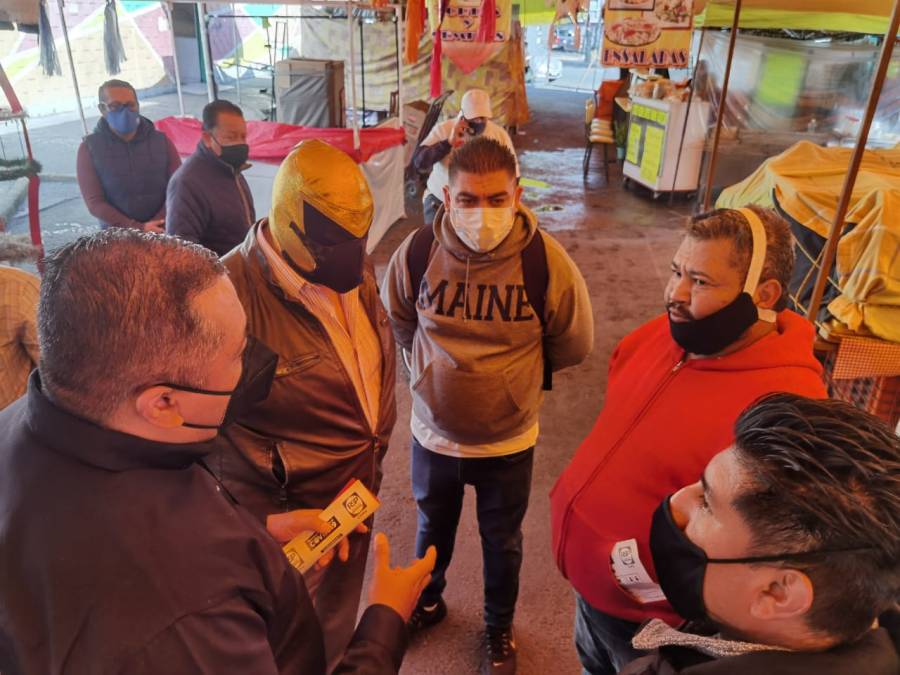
(124,182)
(209,203)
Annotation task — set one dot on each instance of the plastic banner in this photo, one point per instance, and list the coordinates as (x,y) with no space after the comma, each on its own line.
(647,33)
(460,27)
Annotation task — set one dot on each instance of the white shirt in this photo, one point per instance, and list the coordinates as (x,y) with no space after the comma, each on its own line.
(441,132)
(431,440)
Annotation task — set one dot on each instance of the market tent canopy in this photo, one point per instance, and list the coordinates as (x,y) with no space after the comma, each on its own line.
(865,16)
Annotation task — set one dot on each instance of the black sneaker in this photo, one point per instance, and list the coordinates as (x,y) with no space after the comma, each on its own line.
(426,616)
(500,651)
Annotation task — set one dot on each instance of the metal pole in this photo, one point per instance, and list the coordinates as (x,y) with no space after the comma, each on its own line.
(400,40)
(687,116)
(352,75)
(837,226)
(720,116)
(236,36)
(167,8)
(362,70)
(62,19)
(207,54)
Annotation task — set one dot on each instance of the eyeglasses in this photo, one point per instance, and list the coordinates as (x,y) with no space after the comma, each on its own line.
(116,107)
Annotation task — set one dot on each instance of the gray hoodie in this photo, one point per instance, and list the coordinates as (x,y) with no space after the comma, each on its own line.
(477,361)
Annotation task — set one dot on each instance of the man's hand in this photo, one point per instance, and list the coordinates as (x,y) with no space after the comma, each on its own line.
(399,587)
(459,134)
(285,526)
(155,226)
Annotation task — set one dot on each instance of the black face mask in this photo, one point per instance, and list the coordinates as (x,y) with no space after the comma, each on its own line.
(339,256)
(715,332)
(234,155)
(477,127)
(681,564)
(257,374)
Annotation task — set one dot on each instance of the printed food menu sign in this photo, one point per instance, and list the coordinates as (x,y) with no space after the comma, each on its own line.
(647,33)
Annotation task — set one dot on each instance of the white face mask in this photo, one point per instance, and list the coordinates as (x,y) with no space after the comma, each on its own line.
(482,230)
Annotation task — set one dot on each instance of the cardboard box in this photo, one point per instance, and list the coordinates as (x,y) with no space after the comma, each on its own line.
(414,114)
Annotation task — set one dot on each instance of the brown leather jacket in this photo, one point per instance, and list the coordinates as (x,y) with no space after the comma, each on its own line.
(301,446)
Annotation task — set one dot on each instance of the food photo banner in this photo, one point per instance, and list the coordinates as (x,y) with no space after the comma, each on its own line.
(647,33)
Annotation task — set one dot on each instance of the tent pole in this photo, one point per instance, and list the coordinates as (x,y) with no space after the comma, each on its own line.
(837,226)
(400,40)
(720,116)
(167,7)
(236,36)
(62,19)
(687,116)
(352,75)
(207,54)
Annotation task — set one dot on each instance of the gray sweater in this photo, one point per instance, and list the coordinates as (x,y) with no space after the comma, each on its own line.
(477,360)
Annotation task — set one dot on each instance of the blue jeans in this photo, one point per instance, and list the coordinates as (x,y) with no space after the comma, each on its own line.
(502,488)
(603,641)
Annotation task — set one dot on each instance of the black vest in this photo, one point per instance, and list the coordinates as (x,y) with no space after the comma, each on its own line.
(134,174)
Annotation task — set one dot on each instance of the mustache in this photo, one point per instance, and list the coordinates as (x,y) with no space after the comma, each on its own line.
(679,310)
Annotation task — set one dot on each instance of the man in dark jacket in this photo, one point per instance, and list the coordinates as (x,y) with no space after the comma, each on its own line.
(119,551)
(209,201)
(786,551)
(309,293)
(124,167)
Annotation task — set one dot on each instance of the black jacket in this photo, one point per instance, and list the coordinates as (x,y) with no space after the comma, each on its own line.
(875,653)
(209,203)
(123,555)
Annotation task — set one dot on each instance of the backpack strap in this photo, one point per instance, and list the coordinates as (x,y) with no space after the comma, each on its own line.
(536,275)
(417,257)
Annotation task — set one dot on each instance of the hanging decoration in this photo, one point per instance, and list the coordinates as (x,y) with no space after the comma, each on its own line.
(12,169)
(566,8)
(113,50)
(49,59)
(468,32)
(415,28)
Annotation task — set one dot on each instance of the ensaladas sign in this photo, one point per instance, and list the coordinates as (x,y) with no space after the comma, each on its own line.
(647,33)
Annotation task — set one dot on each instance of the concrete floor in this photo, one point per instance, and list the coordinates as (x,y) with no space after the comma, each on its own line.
(622,243)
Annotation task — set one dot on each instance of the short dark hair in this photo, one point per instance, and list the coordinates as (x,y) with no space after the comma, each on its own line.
(824,475)
(211,112)
(482,155)
(116,315)
(113,84)
(731,224)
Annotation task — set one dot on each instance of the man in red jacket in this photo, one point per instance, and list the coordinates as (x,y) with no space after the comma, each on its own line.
(676,386)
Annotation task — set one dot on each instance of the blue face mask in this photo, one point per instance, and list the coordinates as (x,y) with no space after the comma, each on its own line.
(123,121)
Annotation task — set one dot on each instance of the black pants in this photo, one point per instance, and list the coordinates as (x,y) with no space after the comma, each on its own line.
(502,487)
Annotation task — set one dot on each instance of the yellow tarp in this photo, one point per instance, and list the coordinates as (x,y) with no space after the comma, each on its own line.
(806,180)
(867,16)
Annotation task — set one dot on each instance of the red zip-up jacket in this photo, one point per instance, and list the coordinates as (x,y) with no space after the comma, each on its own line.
(664,418)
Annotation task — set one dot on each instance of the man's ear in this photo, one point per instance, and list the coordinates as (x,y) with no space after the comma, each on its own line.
(788,594)
(157,406)
(207,139)
(447,198)
(519,192)
(768,293)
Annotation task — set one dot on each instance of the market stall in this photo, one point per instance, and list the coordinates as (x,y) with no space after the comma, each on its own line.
(861,365)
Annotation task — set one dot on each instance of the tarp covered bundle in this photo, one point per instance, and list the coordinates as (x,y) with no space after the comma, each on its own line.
(805,182)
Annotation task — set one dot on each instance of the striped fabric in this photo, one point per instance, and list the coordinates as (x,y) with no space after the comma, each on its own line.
(352,334)
(18,331)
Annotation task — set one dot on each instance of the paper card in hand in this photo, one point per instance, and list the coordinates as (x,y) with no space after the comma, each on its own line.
(351,507)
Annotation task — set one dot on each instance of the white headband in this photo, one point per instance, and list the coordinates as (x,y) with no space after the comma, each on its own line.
(757,260)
